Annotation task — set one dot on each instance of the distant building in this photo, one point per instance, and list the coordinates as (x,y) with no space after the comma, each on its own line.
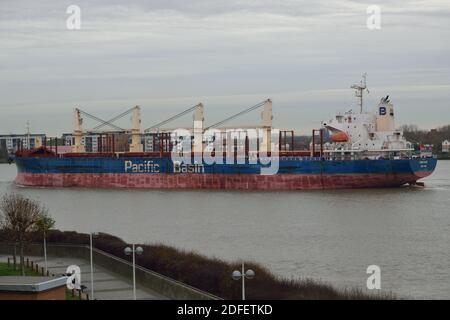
(12,142)
(426,150)
(89,141)
(445,146)
(100,142)
(3,149)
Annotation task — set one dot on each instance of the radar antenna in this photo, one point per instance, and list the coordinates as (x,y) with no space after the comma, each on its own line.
(359,89)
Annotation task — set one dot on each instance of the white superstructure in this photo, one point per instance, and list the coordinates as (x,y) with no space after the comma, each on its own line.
(370,134)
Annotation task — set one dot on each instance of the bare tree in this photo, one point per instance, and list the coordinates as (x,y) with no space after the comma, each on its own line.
(44,225)
(20,216)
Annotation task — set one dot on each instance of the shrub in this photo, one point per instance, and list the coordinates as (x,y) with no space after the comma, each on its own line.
(211,274)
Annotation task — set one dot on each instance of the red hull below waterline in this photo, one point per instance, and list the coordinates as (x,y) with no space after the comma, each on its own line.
(217,181)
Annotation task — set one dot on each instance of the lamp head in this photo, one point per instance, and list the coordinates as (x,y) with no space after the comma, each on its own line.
(249,274)
(127,251)
(236,275)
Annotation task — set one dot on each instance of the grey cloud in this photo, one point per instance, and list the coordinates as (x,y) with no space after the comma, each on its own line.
(167,54)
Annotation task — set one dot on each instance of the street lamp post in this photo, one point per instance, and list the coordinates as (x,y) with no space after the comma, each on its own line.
(242,275)
(91,236)
(133,250)
(45,253)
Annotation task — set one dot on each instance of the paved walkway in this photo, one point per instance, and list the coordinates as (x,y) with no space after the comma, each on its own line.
(107,285)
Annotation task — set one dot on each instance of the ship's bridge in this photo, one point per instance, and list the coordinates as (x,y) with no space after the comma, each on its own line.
(372,132)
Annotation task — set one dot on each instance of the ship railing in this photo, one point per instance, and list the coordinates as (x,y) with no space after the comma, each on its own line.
(298,153)
(351,154)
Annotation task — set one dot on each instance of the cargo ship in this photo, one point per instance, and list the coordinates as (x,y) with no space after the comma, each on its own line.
(362,150)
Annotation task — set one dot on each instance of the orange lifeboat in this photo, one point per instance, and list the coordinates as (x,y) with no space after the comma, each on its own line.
(339,137)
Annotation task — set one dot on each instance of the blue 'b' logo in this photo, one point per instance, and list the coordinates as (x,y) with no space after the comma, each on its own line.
(382,111)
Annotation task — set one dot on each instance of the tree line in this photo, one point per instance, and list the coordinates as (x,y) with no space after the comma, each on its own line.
(419,136)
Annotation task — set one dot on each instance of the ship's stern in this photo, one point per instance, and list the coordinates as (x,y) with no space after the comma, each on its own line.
(423,167)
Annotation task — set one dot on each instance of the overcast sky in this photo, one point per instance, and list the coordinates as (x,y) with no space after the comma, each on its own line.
(168,55)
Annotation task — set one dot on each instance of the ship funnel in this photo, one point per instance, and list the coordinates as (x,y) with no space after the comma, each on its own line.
(385,115)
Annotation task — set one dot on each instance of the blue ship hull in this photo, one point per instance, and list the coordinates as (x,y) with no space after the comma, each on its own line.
(161,172)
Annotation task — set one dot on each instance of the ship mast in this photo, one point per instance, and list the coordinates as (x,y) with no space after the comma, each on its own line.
(359,91)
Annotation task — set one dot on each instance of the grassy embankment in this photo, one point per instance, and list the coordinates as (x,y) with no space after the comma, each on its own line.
(212,274)
(6,270)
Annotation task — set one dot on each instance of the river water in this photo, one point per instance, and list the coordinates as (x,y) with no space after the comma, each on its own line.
(331,236)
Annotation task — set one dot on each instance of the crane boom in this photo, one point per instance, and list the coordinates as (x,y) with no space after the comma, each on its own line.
(101,120)
(114,119)
(178,115)
(256,106)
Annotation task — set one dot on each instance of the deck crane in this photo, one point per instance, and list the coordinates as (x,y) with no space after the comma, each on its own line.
(103,122)
(136,144)
(198,118)
(266,116)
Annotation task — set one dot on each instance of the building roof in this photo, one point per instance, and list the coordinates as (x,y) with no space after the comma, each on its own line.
(30,284)
(24,135)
